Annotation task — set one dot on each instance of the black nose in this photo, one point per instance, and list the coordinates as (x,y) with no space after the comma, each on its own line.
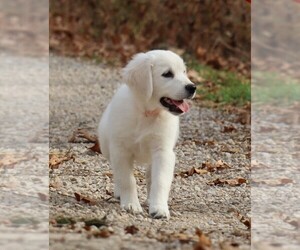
(191,88)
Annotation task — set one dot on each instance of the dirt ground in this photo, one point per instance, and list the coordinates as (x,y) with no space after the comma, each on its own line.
(213,197)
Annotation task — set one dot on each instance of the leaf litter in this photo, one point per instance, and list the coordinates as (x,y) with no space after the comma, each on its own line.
(245,220)
(273,182)
(204,169)
(204,243)
(56,159)
(82,133)
(231,182)
(131,229)
(84,199)
(90,138)
(10,160)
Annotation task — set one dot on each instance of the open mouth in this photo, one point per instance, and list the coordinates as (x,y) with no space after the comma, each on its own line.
(175,106)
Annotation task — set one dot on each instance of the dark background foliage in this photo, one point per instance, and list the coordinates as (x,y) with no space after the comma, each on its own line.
(213,32)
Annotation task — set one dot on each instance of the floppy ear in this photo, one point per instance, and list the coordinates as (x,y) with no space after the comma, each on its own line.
(138,75)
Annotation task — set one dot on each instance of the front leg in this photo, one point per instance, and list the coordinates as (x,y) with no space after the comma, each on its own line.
(125,183)
(163,162)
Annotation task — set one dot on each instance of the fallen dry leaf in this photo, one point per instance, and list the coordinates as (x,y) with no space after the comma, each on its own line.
(43,197)
(102,233)
(273,182)
(209,143)
(243,115)
(84,199)
(293,221)
(244,118)
(108,174)
(265,129)
(246,221)
(231,182)
(229,129)
(56,159)
(96,147)
(203,243)
(108,192)
(82,133)
(219,165)
(190,172)
(10,160)
(131,229)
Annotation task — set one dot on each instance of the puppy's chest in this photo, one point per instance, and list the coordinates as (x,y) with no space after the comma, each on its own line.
(147,139)
(142,152)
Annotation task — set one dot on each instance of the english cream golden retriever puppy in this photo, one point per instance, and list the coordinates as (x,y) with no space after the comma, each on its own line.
(141,125)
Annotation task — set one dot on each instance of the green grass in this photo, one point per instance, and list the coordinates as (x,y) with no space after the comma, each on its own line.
(275,89)
(222,86)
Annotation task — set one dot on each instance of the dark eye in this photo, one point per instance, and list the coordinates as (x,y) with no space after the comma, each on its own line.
(168,74)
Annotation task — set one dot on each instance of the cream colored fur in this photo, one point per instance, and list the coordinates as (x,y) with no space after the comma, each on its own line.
(128,135)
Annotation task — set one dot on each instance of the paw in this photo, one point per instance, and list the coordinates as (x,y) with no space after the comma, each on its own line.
(132,207)
(159,212)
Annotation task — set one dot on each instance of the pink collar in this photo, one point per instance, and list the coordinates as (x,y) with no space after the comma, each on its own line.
(152,113)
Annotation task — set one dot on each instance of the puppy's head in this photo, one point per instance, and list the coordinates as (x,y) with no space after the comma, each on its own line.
(159,77)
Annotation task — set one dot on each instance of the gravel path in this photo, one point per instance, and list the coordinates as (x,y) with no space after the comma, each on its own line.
(24,149)
(79,92)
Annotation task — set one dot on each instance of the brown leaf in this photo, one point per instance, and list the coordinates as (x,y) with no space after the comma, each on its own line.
(77,196)
(96,147)
(82,133)
(210,142)
(131,229)
(203,243)
(10,160)
(43,197)
(108,192)
(190,172)
(273,182)
(265,129)
(229,129)
(108,174)
(294,222)
(102,233)
(219,165)
(84,199)
(200,171)
(231,182)
(56,159)
(246,221)
(243,115)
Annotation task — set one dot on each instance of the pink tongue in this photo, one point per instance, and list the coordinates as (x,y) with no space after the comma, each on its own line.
(184,107)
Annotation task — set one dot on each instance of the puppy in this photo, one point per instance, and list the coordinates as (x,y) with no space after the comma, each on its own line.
(141,125)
